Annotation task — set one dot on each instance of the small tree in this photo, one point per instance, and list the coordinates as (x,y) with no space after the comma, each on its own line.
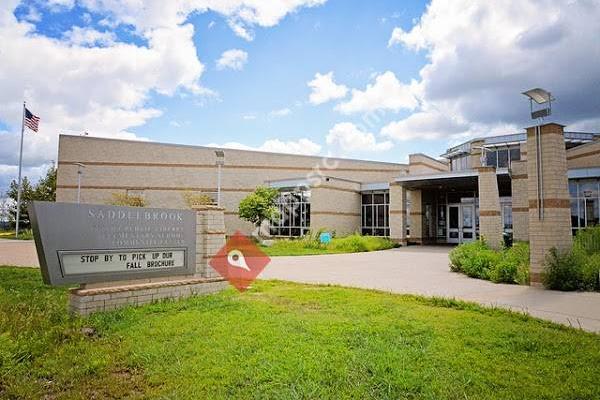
(27,194)
(196,199)
(45,190)
(259,206)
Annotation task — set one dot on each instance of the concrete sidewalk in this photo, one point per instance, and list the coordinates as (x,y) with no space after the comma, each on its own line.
(21,253)
(424,271)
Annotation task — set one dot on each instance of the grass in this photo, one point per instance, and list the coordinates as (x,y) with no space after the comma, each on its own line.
(27,234)
(286,341)
(310,245)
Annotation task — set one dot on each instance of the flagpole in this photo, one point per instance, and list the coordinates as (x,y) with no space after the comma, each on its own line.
(19,183)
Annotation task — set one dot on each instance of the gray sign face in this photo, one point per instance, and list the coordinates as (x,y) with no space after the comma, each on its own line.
(84,243)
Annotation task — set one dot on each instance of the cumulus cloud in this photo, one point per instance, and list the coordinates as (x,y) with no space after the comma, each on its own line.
(385,93)
(301,146)
(86,80)
(234,59)
(481,55)
(424,125)
(351,139)
(324,89)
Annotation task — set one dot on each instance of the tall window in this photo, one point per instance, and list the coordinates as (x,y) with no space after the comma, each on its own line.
(294,213)
(459,163)
(375,213)
(585,203)
(502,157)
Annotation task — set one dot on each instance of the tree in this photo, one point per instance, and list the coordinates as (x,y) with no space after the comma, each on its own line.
(259,206)
(27,194)
(129,200)
(45,190)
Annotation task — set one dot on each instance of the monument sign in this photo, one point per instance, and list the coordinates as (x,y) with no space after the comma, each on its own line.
(85,243)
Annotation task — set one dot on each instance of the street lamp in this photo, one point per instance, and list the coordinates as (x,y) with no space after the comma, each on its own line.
(220,162)
(539,96)
(80,168)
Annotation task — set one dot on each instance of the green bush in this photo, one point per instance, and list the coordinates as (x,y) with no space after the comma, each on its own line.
(477,260)
(577,269)
(311,244)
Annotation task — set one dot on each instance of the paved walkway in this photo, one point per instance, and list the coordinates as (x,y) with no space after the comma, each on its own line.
(18,252)
(424,271)
(414,270)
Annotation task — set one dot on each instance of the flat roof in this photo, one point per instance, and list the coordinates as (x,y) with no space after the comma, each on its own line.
(228,149)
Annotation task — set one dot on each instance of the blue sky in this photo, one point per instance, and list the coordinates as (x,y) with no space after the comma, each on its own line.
(374,80)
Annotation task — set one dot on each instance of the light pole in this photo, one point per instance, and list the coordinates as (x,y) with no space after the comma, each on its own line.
(220,162)
(539,96)
(80,168)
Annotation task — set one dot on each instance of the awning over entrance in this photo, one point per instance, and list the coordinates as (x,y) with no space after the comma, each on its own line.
(455,179)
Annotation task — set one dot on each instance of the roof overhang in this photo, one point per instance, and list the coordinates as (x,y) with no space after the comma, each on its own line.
(455,179)
(364,187)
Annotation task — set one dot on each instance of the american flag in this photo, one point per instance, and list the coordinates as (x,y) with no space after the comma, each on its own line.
(31,121)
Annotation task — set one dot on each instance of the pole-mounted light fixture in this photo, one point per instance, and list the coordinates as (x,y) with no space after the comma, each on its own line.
(539,96)
(80,167)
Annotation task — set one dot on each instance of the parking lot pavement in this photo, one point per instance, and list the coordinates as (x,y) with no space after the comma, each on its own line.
(21,253)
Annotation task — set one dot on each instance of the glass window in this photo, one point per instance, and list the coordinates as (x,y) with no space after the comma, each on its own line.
(503,158)
(375,213)
(294,213)
(515,154)
(585,203)
(491,158)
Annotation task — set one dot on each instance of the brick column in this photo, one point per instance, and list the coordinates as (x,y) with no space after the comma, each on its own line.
(490,218)
(520,201)
(210,237)
(398,213)
(553,228)
(416,217)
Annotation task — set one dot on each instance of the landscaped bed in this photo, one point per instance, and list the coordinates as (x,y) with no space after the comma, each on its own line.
(310,244)
(283,340)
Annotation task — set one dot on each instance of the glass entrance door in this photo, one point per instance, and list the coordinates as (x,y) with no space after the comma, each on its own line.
(453,223)
(461,223)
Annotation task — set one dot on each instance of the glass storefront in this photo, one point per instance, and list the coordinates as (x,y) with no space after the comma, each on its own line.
(294,213)
(375,210)
(585,203)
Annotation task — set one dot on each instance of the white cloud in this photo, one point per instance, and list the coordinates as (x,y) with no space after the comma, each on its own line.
(324,89)
(89,37)
(233,59)
(280,113)
(386,93)
(350,139)
(88,81)
(301,146)
(482,55)
(424,126)
(249,117)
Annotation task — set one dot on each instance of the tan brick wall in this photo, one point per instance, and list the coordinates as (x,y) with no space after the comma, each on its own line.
(416,216)
(165,171)
(520,200)
(554,230)
(490,217)
(420,164)
(584,156)
(398,213)
(335,205)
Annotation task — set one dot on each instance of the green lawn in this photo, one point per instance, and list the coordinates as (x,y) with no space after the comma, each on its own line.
(310,245)
(10,234)
(286,341)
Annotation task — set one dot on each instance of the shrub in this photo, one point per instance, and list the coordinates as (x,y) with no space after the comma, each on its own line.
(561,272)
(477,260)
(577,269)
(124,199)
(196,199)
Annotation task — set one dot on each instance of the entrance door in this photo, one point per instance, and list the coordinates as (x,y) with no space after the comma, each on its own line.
(461,223)
(453,223)
(468,223)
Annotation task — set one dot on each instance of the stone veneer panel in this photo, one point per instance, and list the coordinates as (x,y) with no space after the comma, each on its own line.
(553,229)
(490,219)
(416,217)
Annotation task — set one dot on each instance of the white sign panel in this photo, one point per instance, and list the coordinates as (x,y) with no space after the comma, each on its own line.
(90,262)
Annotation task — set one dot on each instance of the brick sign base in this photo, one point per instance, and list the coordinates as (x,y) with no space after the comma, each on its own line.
(87,301)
